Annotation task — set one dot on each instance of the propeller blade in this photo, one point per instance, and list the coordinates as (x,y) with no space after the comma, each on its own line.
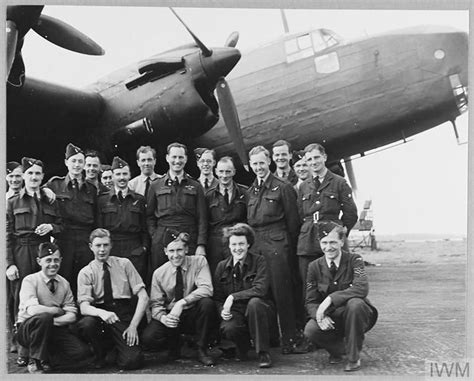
(205,50)
(351,174)
(231,119)
(66,36)
(232,40)
(12,40)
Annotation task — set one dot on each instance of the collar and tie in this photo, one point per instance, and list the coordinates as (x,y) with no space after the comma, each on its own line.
(176,181)
(226,196)
(333,269)
(237,272)
(52,285)
(108,296)
(120,196)
(179,287)
(206,183)
(147,186)
(317,183)
(39,209)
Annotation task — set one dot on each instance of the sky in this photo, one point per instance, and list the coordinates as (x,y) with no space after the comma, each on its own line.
(418,187)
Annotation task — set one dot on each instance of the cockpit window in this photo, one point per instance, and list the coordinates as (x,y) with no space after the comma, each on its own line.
(307,44)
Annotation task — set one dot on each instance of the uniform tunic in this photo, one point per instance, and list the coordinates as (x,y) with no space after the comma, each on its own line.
(126,222)
(272,213)
(177,206)
(78,209)
(291,177)
(350,309)
(220,216)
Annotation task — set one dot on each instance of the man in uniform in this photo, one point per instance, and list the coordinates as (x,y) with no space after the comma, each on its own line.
(77,199)
(281,154)
(176,201)
(106,176)
(146,160)
(181,292)
(31,220)
(122,212)
(240,292)
(272,213)
(336,299)
(14,179)
(226,205)
(92,170)
(104,291)
(206,161)
(301,168)
(46,310)
(321,198)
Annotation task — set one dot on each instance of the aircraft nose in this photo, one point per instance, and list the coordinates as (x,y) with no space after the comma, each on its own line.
(220,63)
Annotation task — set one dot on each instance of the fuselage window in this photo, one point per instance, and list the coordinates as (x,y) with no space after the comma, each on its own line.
(327,63)
(298,48)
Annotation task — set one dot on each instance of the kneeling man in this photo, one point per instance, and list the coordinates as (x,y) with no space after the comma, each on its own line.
(241,287)
(336,299)
(46,310)
(181,292)
(104,292)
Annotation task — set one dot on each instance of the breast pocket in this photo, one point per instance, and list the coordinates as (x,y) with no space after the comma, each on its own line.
(50,214)
(331,200)
(23,219)
(271,205)
(109,215)
(190,199)
(163,200)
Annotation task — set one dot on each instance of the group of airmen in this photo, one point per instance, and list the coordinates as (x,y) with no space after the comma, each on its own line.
(102,267)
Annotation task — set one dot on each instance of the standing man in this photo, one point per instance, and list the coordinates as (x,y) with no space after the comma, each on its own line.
(14,179)
(226,205)
(336,299)
(31,220)
(176,201)
(104,291)
(272,213)
(92,170)
(206,161)
(301,168)
(106,176)
(241,286)
(181,292)
(122,212)
(46,310)
(77,200)
(324,197)
(281,151)
(146,160)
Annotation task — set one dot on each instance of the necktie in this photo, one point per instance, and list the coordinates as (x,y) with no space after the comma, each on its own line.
(333,269)
(120,196)
(206,184)
(179,288)
(227,196)
(51,285)
(317,183)
(237,272)
(39,209)
(283,175)
(176,182)
(75,187)
(147,186)
(108,297)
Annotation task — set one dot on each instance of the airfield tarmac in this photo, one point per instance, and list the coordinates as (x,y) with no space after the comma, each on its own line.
(419,289)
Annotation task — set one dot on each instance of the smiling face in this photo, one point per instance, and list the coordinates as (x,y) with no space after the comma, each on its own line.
(301,169)
(176,252)
(92,167)
(101,247)
(75,165)
(15,179)
(176,159)
(106,179)
(225,172)
(238,246)
(50,264)
(260,164)
(33,177)
(316,161)
(206,163)
(146,162)
(281,157)
(331,245)
(121,177)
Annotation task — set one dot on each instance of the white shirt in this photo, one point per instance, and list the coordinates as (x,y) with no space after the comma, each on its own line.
(138,184)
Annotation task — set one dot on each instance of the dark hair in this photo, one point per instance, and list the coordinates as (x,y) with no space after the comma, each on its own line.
(145,149)
(92,153)
(211,151)
(240,229)
(98,233)
(313,146)
(176,145)
(281,143)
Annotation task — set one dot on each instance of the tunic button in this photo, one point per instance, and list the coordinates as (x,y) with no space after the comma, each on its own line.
(317,193)
(318,202)
(335,282)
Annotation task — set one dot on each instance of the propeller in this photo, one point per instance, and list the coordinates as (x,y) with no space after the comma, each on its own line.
(217,64)
(351,174)
(22,18)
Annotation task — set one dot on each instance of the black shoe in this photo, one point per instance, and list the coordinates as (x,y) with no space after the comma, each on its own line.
(34,367)
(46,366)
(352,366)
(22,361)
(204,358)
(264,360)
(334,359)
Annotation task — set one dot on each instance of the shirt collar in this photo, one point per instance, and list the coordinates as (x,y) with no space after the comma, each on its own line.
(321,178)
(180,177)
(337,260)
(45,279)
(222,189)
(124,191)
(209,178)
(184,265)
(152,177)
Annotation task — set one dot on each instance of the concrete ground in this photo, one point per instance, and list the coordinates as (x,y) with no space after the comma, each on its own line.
(419,290)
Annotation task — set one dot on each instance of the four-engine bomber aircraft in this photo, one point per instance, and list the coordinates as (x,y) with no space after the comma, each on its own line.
(352,96)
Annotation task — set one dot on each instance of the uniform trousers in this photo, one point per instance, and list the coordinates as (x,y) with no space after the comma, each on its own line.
(74,246)
(131,248)
(351,322)
(273,243)
(104,337)
(47,342)
(249,321)
(200,319)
